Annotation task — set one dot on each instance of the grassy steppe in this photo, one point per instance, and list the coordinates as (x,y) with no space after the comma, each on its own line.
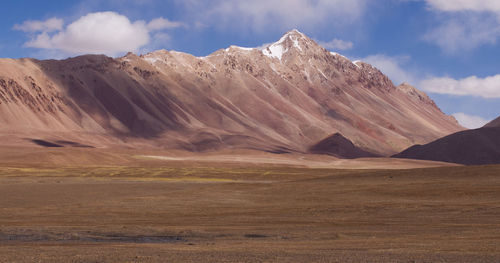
(173,211)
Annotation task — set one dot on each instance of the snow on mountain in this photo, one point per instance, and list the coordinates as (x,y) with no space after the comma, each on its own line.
(287,97)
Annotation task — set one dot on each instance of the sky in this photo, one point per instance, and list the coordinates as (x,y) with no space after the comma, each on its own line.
(448,48)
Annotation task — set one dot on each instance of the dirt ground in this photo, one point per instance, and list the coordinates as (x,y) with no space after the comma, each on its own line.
(187,211)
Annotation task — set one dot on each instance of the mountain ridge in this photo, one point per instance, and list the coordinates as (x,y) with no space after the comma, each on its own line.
(290,95)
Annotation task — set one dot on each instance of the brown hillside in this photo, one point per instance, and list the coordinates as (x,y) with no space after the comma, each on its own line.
(471,147)
(493,123)
(287,97)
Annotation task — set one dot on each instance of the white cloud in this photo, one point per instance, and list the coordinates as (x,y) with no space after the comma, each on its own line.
(265,15)
(336,44)
(33,26)
(470,121)
(163,23)
(465,5)
(392,67)
(488,87)
(159,41)
(106,33)
(464,24)
(464,33)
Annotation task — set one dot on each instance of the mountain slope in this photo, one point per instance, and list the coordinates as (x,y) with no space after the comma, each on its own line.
(493,123)
(339,146)
(289,96)
(471,147)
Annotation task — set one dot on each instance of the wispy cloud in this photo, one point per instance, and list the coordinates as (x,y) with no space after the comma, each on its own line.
(163,23)
(465,32)
(470,121)
(265,15)
(33,26)
(488,87)
(465,5)
(336,44)
(464,24)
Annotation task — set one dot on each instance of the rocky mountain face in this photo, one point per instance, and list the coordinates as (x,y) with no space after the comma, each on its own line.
(287,97)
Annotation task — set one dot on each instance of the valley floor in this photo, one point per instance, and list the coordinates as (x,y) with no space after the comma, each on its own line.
(158,210)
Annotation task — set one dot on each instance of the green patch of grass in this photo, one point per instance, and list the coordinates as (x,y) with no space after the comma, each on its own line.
(222,173)
(236,173)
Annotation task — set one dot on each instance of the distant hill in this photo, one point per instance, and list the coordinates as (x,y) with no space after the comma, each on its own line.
(471,147)
(339,146)
(493,123)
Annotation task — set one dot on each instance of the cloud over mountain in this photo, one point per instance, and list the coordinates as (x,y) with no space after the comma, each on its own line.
(472,86)
(336,44)
(106,33)
(470,121)
(392,67)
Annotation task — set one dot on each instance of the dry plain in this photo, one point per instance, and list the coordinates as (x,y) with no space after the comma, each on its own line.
(94,205)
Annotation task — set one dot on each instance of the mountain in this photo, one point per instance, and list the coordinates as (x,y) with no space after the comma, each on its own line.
(471,147)
(493,123)
(339,146)
(286,97)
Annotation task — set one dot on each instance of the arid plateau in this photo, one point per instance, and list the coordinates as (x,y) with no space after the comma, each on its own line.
(92,205)
(273,154)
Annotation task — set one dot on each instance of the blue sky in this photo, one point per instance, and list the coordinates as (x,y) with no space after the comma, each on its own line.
(448,48)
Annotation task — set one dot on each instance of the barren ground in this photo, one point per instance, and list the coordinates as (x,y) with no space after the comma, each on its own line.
(72,205)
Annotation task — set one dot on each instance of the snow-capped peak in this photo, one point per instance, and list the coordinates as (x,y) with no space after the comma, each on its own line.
(296,32)
(292,39)
(274,51)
